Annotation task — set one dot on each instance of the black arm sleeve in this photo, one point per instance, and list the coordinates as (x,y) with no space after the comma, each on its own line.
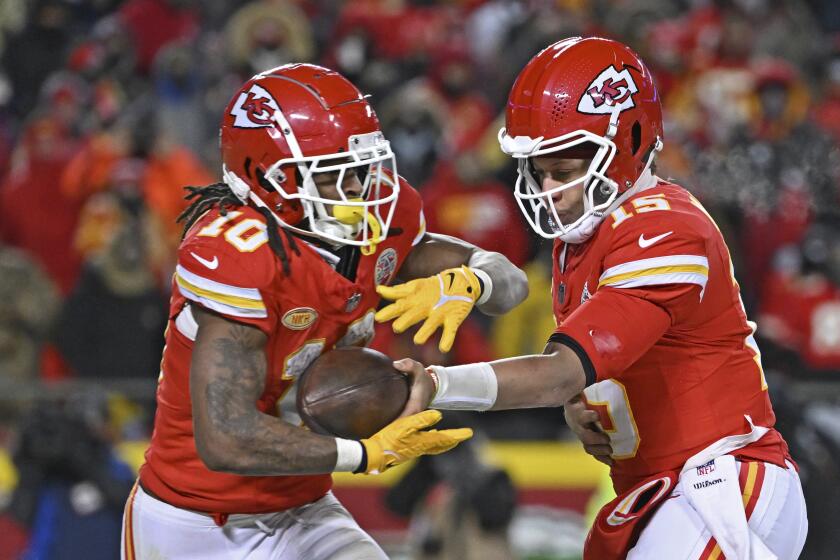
(566,340)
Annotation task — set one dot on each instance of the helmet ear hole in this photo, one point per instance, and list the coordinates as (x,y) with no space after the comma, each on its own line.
(262,181)
(636,136)
(247,168)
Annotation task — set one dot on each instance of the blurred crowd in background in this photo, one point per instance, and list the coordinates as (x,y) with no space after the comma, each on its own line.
(109,107)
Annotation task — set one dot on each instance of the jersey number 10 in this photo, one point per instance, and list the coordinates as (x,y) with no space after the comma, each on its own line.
(247,236)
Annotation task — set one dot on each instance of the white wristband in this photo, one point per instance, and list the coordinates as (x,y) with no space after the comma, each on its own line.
(488,285)
(466,387)
(348,455)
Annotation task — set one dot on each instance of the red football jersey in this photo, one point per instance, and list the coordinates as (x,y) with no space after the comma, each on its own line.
(225,264)
(652,301)
(803,313)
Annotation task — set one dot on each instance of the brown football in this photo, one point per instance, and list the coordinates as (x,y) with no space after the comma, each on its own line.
(351,393)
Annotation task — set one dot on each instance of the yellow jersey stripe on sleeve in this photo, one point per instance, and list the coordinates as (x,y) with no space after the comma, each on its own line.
(227,300)
(655,262)
(225,309)
(218,287)
(660,275)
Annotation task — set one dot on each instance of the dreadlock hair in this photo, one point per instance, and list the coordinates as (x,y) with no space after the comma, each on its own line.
(219,194)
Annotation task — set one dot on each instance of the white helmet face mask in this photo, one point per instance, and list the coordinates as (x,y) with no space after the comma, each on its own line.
(362,221)
(600,193)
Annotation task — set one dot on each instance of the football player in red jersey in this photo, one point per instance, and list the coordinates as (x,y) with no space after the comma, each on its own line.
(650,325)
(279,263)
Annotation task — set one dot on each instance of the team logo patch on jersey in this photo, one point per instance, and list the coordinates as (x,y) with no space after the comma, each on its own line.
(386,264)
(254,108)
(300,318)
(612,88)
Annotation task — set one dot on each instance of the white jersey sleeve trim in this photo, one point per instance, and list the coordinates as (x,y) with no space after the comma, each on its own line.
(223,308)
(671,269)
(231,300)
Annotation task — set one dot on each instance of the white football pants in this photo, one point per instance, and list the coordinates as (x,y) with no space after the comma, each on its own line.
(322,530)
(777,517)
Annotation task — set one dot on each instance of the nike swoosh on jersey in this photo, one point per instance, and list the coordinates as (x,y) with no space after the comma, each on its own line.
(645,243)
(212,265)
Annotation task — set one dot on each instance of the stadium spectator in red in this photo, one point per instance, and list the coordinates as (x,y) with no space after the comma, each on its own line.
(153,24)
(453,76)
(800,308)
(165,167)
(463,200)
(45,229)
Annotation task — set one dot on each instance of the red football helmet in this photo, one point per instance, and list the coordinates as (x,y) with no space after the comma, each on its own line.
(588,96)
(289,124)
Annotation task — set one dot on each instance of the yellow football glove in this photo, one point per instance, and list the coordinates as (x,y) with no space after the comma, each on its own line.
(444,299)
(404,439)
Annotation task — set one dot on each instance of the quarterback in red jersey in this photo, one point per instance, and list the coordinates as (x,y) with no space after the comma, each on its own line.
(650,324)
(284,260)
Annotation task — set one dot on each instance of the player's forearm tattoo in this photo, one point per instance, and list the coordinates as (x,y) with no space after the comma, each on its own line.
(259,444)
(238,372)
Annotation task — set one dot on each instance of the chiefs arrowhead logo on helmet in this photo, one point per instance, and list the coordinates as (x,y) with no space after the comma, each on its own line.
(254,108)
(609,90)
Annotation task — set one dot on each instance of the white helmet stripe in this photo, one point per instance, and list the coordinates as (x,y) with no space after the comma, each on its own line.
(287,131)
(294,147)
(291,140)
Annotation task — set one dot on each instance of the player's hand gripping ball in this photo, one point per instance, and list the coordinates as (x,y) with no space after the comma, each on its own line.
(351,393)
(444,299)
